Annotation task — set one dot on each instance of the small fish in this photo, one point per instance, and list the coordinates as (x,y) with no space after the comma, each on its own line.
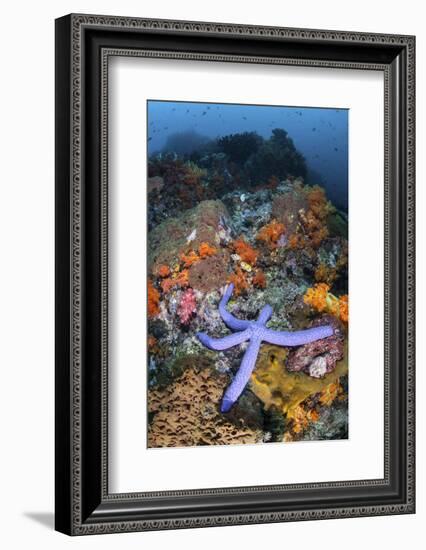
(203,113)
(149,139)
(314,129)
(336,149)
(244,118)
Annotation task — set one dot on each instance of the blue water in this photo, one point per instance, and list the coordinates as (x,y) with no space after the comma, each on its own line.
(320,134)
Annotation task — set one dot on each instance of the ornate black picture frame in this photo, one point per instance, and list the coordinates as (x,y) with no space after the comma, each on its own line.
(84,44)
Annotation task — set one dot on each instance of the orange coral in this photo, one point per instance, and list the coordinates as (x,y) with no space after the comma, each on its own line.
(178,279)
(182,278)
(153,300)
(296,241)
(344,308)
(190,258)
(317,296)
(330,393)
(206,250)
(163,271)
(259,279)
(245,251)
(270,233)
(322,300)
(239,280)
(301,418)
(167,284)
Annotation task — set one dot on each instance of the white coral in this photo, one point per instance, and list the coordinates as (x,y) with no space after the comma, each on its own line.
(318,367)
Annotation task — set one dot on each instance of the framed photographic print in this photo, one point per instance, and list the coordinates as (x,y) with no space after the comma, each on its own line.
(234,274)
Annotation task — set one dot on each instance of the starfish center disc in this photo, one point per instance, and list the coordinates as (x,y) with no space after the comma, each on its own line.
(256,330)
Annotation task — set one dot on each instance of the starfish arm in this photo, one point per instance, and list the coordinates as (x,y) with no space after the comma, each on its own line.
(236,388)
(220,344)
(265,314)
(297,338)
(229,320)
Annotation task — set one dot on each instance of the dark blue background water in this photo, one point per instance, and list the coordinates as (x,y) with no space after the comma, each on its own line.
(320,134)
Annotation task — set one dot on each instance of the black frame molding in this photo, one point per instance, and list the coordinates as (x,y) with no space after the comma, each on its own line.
(84,43)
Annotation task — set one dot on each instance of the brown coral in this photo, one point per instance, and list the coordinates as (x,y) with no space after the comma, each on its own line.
(186,413)
(308,226)
(259,279)
(208,274)
(169,239)
(286,207)
(325,274)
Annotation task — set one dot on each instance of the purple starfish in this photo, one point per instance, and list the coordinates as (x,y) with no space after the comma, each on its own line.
(256,332)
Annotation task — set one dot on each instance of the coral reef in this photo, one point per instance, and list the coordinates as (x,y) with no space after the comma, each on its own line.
(255,332)
(185,413)
(231,212)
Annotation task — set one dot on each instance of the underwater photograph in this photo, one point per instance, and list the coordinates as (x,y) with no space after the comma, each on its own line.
(247,274)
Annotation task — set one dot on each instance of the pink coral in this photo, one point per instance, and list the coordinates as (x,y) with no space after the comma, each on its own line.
(187,306)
